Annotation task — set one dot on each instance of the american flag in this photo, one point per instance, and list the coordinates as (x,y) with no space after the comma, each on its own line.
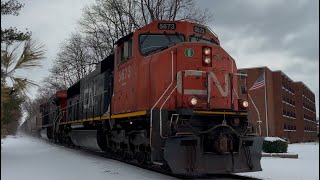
(260,82)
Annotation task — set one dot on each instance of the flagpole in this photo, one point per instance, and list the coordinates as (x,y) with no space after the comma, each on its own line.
(265,102)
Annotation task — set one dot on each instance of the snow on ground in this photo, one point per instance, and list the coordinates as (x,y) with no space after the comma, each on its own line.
(26,158)
(306,167)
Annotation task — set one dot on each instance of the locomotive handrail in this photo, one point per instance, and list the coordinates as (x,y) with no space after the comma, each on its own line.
(212,31)
(161,110)
(178,74)
(151,111)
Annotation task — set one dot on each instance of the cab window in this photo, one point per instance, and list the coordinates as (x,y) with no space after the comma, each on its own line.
(125,51)
(156,42)
(204,40)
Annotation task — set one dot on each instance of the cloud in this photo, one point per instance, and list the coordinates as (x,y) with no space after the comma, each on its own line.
(282,35)
(50,22)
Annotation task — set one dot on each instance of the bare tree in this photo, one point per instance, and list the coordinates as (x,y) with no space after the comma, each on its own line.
(72,63)
(105,21)
(102,24)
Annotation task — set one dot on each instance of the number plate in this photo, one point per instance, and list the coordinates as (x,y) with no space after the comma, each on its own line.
(199,30)
(167,26)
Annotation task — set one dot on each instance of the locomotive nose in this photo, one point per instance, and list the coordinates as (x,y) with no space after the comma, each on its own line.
(203,75)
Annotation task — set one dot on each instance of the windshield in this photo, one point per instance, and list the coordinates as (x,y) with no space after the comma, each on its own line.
(152,42)
(200,39)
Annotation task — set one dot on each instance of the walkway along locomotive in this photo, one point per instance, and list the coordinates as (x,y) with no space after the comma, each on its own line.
(167,96)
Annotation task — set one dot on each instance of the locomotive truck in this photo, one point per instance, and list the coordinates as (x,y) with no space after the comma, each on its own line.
(167,96)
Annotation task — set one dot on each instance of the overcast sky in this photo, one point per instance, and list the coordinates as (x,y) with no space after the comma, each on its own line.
(280,34)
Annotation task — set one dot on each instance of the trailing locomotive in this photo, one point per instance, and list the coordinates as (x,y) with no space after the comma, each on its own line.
(167,96)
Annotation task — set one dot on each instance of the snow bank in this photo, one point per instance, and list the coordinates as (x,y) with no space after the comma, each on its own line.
(272,139)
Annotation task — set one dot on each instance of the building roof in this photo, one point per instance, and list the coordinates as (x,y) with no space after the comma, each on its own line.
(305,86)
(259,67)
(282,73)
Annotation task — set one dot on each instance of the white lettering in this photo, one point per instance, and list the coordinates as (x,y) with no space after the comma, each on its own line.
(124,74)
(224,92)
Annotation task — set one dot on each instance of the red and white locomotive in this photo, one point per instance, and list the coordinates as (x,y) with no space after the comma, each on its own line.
(167,96)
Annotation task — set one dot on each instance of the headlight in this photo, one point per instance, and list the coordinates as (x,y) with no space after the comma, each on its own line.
(193,101)
(245,104)
(206,51)
(207,60)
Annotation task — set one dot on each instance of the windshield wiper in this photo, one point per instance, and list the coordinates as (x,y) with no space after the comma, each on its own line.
(165,33)
(214,42)
(178,35)
(147,34)
(160,48)
(197,38)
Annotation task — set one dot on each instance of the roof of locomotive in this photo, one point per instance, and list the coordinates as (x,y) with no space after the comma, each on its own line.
(178,27)
(124,38)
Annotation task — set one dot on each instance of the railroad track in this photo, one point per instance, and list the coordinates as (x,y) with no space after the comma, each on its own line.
(154,168)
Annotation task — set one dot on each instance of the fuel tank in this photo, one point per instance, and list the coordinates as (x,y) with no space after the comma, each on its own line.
(44,134)
(89,139)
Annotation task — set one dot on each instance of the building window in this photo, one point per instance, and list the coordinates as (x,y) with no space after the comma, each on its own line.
(242,77)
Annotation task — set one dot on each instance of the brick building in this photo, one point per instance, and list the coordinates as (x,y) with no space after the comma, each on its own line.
(285,108)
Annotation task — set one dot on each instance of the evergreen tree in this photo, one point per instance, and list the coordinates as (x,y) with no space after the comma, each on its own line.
(12,60)
(10,35)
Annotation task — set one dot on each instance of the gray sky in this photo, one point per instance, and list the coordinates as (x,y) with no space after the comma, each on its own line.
(280,34)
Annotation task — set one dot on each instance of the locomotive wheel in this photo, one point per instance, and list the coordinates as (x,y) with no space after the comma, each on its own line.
(166,167)
(56,138)
(141,157)
(123,155)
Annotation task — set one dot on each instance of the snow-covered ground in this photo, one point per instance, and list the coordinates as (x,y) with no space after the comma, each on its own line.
(25,158)
(306,167)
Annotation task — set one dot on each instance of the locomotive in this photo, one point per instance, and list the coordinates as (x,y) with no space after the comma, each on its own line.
(167,96)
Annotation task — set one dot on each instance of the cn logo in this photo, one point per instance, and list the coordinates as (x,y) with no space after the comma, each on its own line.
(224,90)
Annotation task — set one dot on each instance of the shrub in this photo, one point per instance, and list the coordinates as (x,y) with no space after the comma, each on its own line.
(274,145)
